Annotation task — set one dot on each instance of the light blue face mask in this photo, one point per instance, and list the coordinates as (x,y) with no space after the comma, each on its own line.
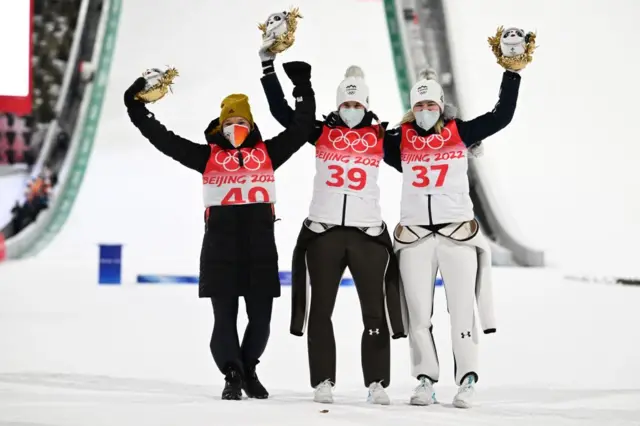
(427,119)
(352,116)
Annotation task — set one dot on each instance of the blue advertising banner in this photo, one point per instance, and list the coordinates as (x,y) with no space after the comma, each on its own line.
(110,267)
(285,279)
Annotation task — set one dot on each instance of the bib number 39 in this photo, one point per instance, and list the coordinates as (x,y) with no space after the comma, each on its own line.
(235,195)
(357,177)
(422,179)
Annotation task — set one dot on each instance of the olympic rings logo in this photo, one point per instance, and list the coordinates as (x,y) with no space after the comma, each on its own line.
(352,139)
(252,159)
(435,141)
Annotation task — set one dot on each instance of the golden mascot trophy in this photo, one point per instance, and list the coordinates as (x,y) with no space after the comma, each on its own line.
(513,47)
(158,84)
(282,27)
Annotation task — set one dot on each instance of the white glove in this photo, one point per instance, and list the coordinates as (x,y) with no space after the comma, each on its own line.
(264,53)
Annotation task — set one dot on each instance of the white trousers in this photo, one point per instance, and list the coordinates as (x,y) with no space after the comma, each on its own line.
(458,266)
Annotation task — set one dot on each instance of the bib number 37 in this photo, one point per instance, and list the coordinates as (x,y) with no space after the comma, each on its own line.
(422,179)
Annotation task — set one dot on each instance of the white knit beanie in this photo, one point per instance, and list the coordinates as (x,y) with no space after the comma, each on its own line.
(427,88)
(353,88)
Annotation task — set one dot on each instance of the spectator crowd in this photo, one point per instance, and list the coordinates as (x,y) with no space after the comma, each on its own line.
(22,137)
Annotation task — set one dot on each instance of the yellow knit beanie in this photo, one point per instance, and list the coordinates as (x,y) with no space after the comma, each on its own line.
(236,105)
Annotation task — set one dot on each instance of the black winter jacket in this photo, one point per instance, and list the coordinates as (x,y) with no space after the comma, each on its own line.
(239,255)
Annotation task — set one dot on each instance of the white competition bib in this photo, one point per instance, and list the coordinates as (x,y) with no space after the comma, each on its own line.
(434,164)
(348,161)
(228,180)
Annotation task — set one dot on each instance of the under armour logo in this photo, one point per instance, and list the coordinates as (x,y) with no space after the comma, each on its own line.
(467,334)
(372,332)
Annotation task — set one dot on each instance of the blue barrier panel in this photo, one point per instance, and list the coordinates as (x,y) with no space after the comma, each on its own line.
(110,266)
(166,279)
(285,279)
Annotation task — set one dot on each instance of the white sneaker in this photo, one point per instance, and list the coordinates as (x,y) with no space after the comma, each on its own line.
(466,392)
(323,392)
(423,394)
(377,394)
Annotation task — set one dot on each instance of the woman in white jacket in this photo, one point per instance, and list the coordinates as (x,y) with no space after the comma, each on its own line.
(437,229)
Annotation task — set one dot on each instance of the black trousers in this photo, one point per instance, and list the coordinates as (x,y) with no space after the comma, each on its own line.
(225,344)
(327,257)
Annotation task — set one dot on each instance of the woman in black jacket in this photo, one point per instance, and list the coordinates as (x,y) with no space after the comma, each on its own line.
(344,228)
(239,256)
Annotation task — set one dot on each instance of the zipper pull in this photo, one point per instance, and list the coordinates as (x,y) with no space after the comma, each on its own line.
(240,158)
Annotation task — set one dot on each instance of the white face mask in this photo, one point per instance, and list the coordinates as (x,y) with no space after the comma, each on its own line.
(427,119)
(352,116)
(236,133)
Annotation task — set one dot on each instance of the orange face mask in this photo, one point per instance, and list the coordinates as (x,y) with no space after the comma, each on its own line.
(236,134)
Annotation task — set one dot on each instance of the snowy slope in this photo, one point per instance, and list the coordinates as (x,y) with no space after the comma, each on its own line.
(75,354)
(565,167)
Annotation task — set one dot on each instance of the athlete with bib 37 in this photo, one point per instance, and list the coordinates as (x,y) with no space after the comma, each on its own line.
(437,229)
(239,257)
(344,229)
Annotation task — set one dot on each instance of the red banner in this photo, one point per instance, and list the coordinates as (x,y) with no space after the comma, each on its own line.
(20,42)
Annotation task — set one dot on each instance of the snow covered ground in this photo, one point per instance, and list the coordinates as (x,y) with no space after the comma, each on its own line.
(74,354)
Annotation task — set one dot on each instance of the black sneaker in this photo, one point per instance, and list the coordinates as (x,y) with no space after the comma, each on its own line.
(233,386)
(252,386)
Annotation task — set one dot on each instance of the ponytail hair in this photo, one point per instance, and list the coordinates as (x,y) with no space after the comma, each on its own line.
(381,130)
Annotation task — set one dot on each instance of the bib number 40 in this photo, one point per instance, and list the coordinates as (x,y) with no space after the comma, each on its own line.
(357,177)
(422,180)
(256,194)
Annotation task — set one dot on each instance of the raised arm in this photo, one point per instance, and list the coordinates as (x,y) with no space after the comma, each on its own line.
(474,131)
(278,105)
(302,122)
(280,109)
(187,153)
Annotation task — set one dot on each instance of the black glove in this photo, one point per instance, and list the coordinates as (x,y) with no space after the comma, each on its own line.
(332,120)
(298,72)
(130,93)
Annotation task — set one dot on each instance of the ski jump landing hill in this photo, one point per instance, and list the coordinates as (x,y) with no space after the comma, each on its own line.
(118,189)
